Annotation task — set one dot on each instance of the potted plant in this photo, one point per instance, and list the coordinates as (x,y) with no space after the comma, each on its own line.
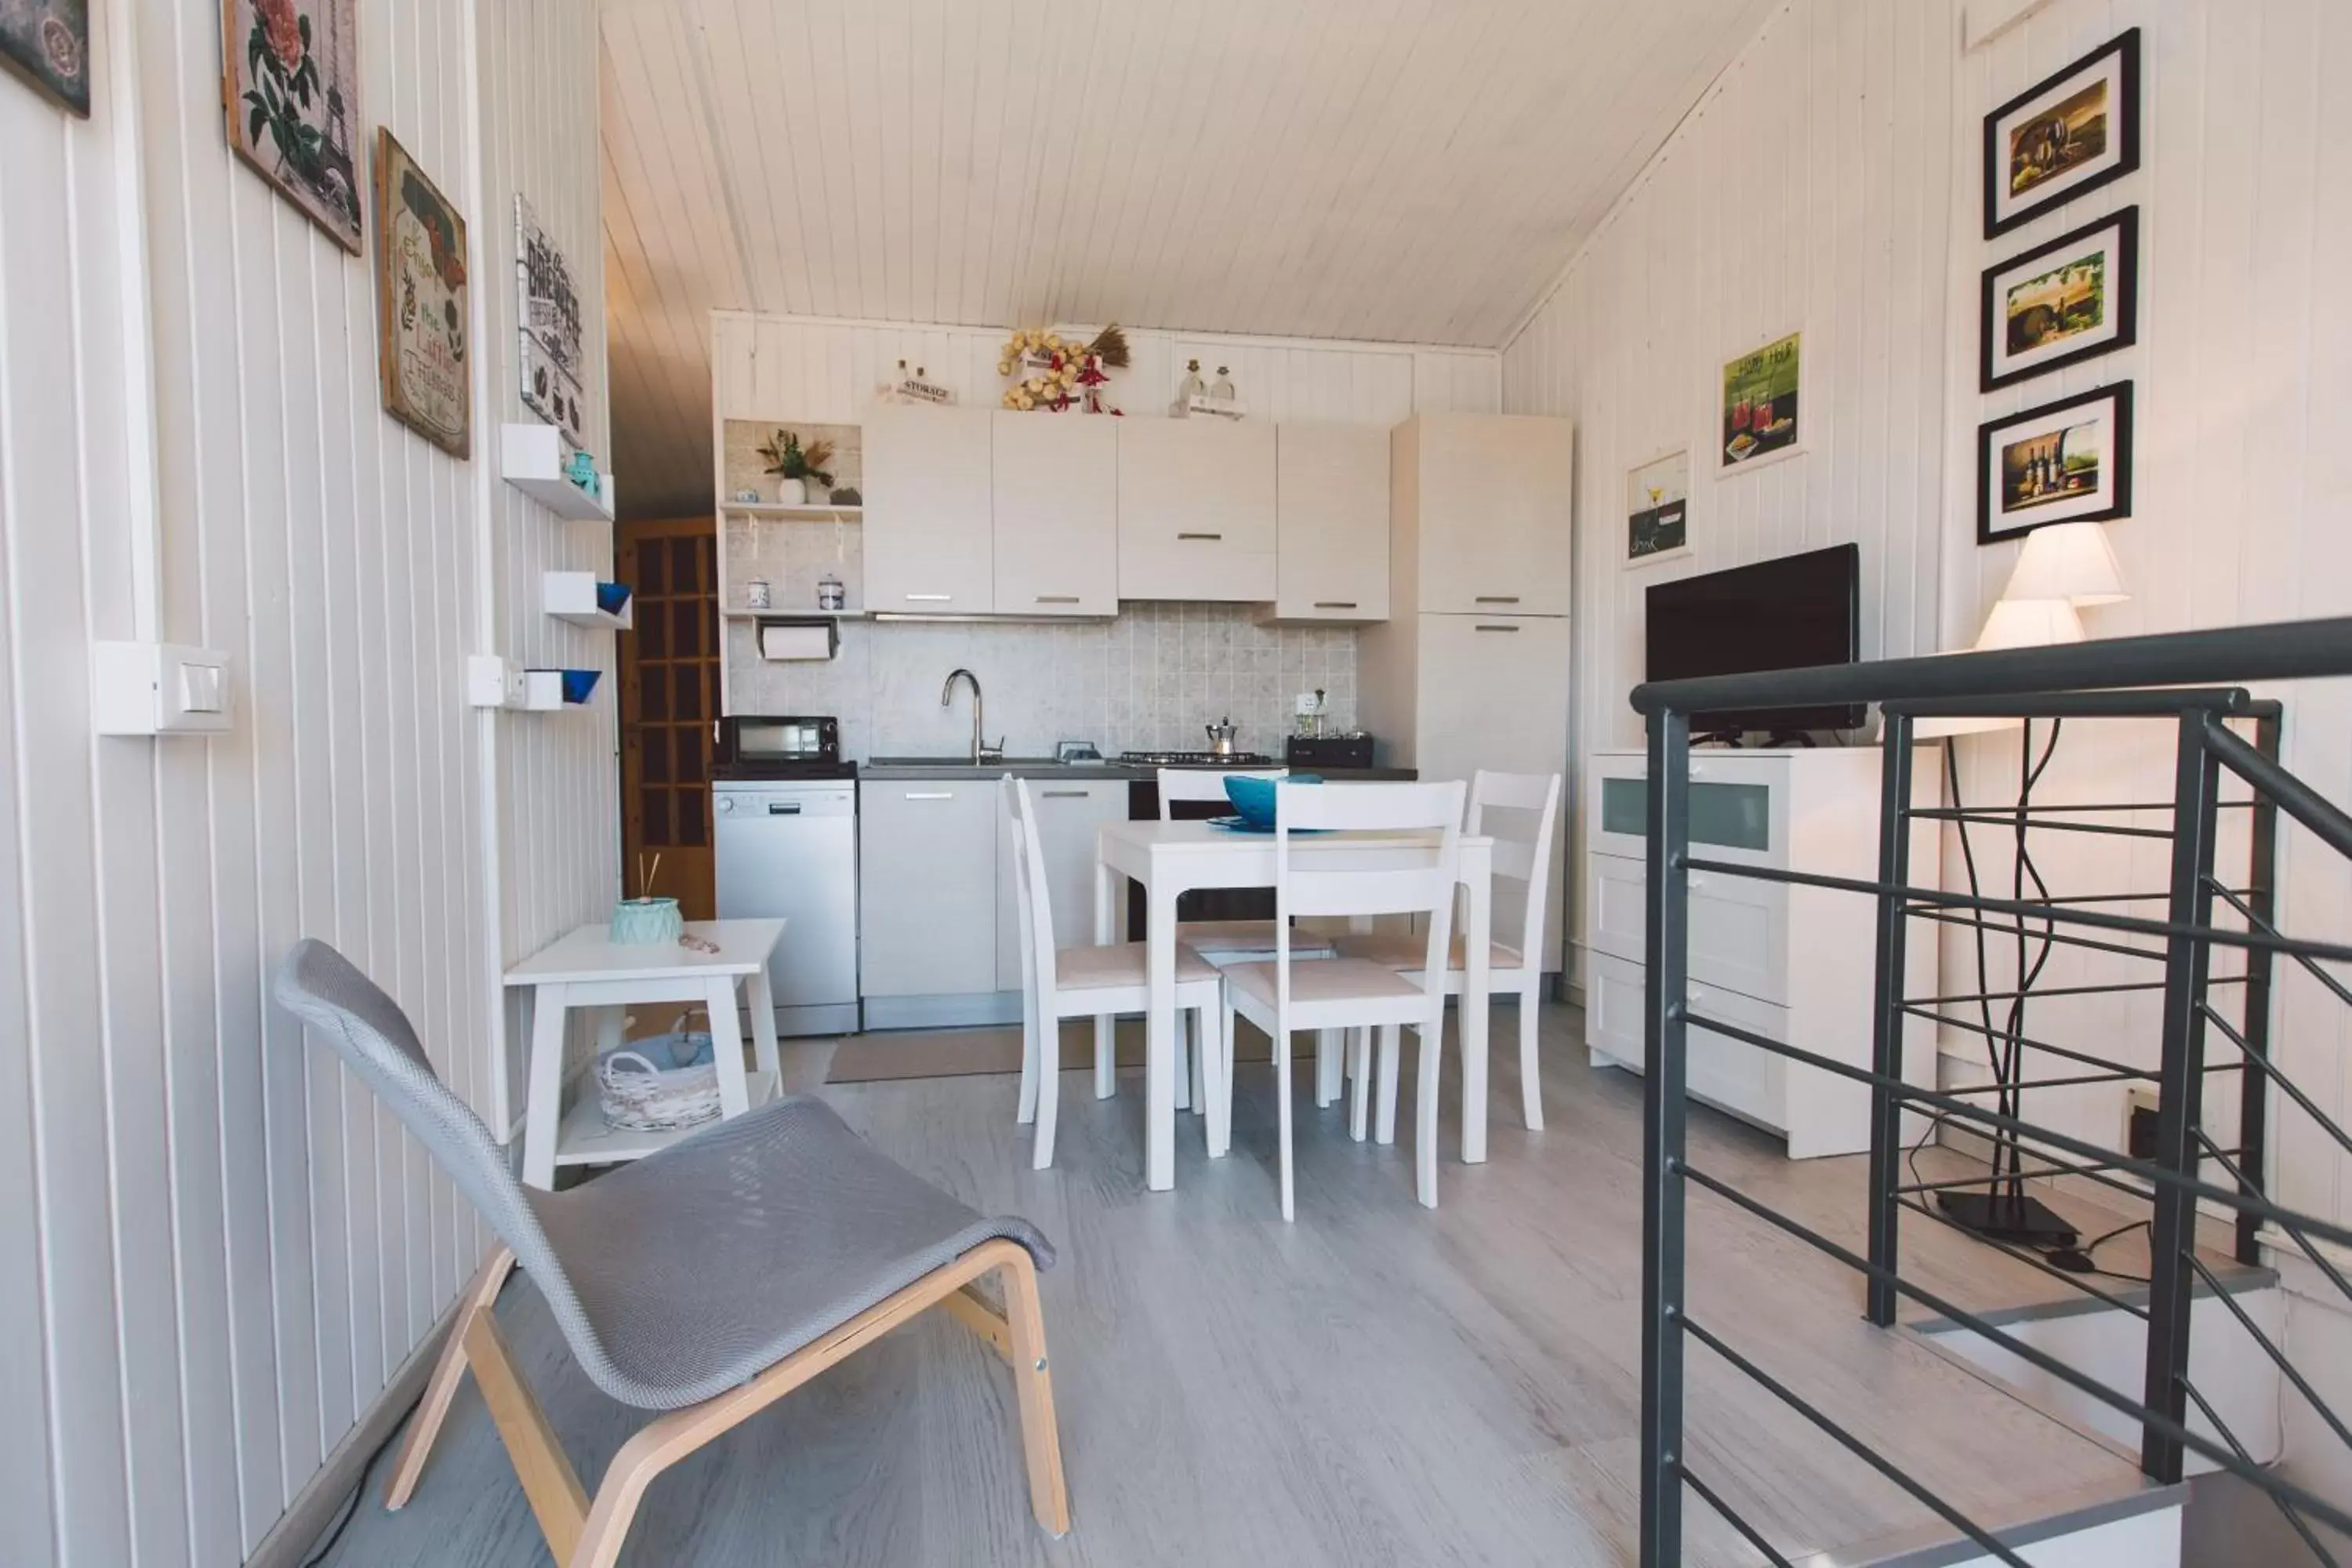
(796,464)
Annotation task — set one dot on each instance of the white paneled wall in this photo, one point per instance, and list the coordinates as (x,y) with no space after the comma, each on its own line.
(215,1245)
(1808,192)
(814,369)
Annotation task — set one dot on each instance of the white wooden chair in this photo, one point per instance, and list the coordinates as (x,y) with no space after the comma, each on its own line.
(1092,982)
(1345,993)
(1228,942)
(1527,860)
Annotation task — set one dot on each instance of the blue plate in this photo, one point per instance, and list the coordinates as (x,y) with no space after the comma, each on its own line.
(1243,825)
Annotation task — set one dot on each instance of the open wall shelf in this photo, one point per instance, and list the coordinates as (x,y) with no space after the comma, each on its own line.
(813,512)
(533,459)
(579,597)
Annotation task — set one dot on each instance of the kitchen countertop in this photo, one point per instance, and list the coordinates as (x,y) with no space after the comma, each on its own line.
(1046,768)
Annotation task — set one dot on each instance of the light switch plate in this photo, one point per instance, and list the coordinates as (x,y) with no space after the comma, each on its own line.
(160,688)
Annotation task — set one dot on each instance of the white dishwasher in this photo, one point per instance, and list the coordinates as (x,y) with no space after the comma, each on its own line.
(788,848)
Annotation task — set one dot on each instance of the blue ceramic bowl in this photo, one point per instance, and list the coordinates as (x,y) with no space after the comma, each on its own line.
(1253,798)
(578,683)
(610,597)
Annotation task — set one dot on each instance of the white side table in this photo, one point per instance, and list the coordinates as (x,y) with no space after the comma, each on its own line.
(584,969)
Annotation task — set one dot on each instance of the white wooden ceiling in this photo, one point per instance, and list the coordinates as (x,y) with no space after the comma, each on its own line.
(1412,171)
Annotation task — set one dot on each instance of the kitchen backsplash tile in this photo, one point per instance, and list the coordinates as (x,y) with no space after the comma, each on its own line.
(1146,681)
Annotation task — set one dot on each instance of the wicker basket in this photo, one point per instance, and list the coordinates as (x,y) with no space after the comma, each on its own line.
(639,1096)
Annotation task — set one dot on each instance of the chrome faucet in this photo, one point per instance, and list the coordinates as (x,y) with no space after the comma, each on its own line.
(981,751)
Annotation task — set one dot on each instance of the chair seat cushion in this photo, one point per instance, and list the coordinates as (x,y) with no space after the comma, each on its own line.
(1120,964)
(707,1263)
(1403,950)
(1220,939)
(1325,980)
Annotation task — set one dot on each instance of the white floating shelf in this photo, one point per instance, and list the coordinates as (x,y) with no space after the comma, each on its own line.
(814,512)
(571,596)
(492,682)
(533,459)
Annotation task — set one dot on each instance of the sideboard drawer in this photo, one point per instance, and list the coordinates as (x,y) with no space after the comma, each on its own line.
(1738,927)
(1738,807)
(1746,1081)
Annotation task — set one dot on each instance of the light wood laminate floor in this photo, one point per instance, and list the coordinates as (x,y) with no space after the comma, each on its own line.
(1377,1384)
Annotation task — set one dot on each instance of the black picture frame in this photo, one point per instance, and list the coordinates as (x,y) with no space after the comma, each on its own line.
(2126,133)
(2117,393)
(2123,298)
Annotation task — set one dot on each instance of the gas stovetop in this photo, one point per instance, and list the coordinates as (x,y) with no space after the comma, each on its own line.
(1196,759)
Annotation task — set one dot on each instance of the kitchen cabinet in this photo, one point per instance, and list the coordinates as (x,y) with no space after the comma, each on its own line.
(1479,514)
(927,887)
(1056,504)
(1332,523)
(1067,814)
(1196,509)
(928,521)
(1472,669)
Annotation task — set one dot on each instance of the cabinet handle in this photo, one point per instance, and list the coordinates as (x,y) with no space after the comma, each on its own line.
(1335,603)
(1199,536)
(930,598)
(1057,598)
(931,795)
(1061,794)
(1497,599)
(1495,628)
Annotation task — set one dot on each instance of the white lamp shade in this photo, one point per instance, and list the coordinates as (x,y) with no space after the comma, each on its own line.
(2030,623)
(2068,560)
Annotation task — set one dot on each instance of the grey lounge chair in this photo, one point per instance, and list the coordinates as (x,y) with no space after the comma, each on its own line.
(706,1281)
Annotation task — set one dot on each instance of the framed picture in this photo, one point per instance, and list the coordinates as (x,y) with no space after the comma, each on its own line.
(549,311)
(46,42)
(292,91)
(2068,461)
(1657,509)
(421,302)
(1760,395)
(2066,134)
(2060,303)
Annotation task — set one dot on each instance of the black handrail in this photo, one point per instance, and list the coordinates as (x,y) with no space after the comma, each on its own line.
(2287,650)
(2114,678)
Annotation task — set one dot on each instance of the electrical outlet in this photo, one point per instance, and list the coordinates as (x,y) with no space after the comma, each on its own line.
(2140,1122)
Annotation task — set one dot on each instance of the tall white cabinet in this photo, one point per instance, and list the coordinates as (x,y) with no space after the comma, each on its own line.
(1471,669)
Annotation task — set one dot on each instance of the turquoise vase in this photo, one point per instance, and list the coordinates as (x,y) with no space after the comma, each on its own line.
(645,922)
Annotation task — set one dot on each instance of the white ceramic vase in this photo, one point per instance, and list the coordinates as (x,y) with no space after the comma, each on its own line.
(792,492)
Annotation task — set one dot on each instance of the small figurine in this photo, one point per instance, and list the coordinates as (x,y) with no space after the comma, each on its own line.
(582,469)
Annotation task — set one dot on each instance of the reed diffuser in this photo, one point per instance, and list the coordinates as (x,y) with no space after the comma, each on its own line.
(647,921)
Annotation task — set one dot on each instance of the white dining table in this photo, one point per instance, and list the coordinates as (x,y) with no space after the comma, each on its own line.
(1172,858)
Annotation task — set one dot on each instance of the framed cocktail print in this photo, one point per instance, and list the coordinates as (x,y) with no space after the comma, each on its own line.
(2068,461)
(2060,303)
(1759,411)
(2066,134)
(1657,509)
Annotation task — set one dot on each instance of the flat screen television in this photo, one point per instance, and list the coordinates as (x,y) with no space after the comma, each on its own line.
(1785,614)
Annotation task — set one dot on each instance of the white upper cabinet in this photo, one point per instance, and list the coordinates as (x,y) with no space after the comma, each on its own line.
(929,545)
(1196,509)
(1056,506)
(1331,505)
(1481,512)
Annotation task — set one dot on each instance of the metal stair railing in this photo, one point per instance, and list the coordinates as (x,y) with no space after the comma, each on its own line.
(2190,678)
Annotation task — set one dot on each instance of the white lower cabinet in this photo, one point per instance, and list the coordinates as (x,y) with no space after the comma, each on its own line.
(927,887)
(1788,963)
(1067,816)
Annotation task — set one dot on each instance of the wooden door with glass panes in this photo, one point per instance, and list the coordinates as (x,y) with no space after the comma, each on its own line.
(669,703)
